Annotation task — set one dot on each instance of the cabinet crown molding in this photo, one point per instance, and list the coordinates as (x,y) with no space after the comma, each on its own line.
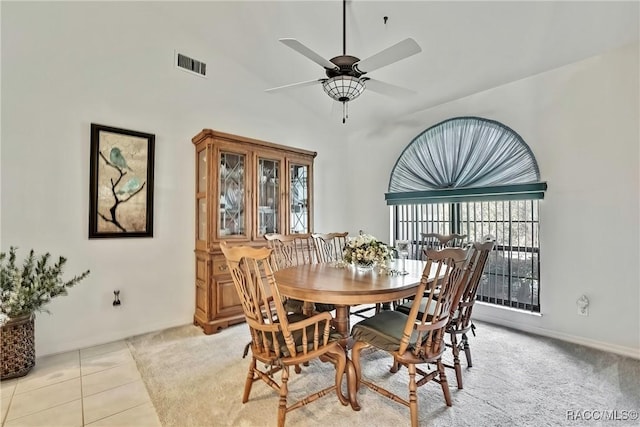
(223,136)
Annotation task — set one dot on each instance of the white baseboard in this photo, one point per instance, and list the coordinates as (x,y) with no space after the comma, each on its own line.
(49,348)
(611,348)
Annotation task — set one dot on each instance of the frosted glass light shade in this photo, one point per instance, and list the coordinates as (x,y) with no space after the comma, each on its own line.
(344,88)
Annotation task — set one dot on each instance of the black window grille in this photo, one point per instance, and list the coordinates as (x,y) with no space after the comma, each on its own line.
(512,274)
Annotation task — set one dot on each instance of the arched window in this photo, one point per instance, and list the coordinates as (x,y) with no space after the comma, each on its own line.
(474,176)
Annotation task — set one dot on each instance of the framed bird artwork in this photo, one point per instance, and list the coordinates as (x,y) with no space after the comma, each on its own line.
(121,183)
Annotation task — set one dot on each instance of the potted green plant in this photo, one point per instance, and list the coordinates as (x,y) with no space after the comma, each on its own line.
(24,290)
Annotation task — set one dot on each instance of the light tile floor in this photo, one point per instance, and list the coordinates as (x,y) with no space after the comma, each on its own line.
(96,386)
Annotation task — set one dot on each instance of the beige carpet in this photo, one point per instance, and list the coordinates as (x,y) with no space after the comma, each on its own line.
(517,380)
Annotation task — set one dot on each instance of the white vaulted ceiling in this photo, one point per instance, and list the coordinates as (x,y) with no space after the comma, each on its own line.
(467,46)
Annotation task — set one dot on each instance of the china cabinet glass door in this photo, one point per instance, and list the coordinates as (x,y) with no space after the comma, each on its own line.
(201,195)
(232,184)
(268,196)
(299,198)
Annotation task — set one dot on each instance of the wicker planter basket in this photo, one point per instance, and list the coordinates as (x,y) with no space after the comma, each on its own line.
(18,347)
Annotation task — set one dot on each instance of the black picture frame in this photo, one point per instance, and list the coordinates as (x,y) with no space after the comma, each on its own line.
(121,183)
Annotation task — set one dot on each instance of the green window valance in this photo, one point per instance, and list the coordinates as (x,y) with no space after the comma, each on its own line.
(498,192)
(465,159)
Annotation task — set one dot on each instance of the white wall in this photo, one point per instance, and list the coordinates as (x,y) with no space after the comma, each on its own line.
(582,123)
(67,65)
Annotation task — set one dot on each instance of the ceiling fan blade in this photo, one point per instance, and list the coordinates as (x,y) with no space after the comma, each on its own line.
(300,48)
(398,51)
(387,89)
(294,85)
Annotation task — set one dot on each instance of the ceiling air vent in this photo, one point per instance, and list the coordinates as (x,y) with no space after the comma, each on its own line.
(191,65)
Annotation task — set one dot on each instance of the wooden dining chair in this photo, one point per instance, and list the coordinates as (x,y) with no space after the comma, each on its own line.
(411,339)
(432,241)
(330,246)
(460,317)
(460,322)
(439,241)
(280,339)
(289,251)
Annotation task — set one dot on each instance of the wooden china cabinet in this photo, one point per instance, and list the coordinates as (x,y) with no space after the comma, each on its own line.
(245,188)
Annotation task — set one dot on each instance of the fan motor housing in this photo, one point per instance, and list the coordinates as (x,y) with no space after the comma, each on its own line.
(345,66)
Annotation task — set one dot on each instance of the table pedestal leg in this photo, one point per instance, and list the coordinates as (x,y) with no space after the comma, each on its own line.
(308,308)
(341,321)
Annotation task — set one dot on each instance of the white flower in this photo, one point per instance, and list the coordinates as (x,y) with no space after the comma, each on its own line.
(365,249)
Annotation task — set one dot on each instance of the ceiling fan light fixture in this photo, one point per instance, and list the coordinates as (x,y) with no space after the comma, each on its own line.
(344,88)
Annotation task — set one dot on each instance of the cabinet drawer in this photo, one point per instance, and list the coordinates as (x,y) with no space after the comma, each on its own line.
(220,266)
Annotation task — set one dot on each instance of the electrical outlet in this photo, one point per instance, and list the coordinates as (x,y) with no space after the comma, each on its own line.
(116,298)
(583,305)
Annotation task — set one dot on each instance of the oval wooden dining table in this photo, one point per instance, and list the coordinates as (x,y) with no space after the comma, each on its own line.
(346,286)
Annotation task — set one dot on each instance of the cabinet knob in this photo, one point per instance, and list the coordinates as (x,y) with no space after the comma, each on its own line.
(223,267)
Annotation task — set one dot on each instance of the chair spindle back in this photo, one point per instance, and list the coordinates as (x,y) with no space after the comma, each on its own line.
(330,246)
(438,241)
(466,296)
(291,250)
(428,327)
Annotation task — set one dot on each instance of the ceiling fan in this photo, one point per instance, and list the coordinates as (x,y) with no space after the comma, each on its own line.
(346,78)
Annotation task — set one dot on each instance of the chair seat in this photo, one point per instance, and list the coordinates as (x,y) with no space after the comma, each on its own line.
(297,306)
(405,308)
(384,330)
(293,305)
(320,307)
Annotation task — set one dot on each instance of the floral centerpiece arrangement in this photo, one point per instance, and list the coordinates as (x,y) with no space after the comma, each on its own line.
(365,251)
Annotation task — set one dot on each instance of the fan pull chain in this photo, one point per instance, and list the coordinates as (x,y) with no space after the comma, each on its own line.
(345,112)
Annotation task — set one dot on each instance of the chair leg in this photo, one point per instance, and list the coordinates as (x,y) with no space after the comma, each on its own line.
(467,350)
(282,404)
(413,396)
(455,349)
(249,381)
(443,383)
